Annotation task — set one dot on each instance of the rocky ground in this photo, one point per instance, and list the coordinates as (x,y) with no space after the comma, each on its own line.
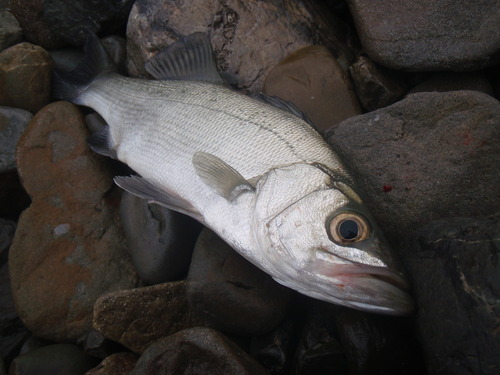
(95,281)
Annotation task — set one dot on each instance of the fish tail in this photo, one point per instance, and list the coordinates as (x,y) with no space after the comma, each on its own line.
(69,85)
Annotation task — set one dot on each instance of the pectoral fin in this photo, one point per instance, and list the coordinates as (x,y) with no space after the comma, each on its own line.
(220,176)
(145,189)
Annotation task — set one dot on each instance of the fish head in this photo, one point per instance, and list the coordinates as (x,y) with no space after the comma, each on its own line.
(325,244)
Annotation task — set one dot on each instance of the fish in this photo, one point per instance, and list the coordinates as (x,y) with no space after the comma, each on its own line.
(252,168)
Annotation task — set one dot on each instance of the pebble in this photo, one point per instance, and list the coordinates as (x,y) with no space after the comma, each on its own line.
(80,246)
(312,79)
(13,121)
(196,351)
(10,31)
(432,36)
(25,73)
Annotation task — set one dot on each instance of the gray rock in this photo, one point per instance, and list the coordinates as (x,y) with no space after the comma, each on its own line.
(13,121)
(249,37)
(10,31)
(429,156)
(453,81)
(160,240)
(456,280)
(231,293)
(57,359)
(117,50)
(375,86)
(196,351)
(431,35)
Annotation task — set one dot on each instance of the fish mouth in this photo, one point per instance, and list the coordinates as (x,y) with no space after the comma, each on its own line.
(364,287)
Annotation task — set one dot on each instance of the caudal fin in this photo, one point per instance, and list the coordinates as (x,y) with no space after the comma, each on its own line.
(69,85)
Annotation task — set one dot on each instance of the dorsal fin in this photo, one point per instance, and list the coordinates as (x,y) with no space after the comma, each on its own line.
(188,59)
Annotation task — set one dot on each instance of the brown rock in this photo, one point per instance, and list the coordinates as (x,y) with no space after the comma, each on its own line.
(314,81)
(196,351)
(69,247)
(115,364)
(137,317)
(25,74)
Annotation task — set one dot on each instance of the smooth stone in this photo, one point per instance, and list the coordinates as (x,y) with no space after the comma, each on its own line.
(428,156)
(13,121)
(456,281)
(249,37)
(10,31)
(137,317)
(160,241)
(429,36)
(36,30)
(231,293)
(376,86)
(25,73)
(196,351)
(115,364)
(81,252)
(57,359)
(313,80)
(455,81)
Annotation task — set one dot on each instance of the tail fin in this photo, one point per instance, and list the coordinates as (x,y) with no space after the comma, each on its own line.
(69,85)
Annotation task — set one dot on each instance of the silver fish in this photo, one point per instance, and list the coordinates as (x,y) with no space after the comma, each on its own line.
(251,169)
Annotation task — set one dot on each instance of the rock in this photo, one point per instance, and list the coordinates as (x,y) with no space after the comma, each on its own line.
(25,73)
(57,359)
(429,156)
(456,279)
(13,121)
(430,36)
(69,247)
(160,240)
(36,30)
(231,293)
(452,81)
(12,195)
(249,37)
(314,81)
(10,31)
(7,229)
(196,351)
(73,20)
(376,86)
(115,364)
(98,346)
(138,317)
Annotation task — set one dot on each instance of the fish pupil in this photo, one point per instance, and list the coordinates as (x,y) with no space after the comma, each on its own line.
(348,229)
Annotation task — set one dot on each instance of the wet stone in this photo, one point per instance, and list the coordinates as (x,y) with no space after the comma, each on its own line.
(13,121)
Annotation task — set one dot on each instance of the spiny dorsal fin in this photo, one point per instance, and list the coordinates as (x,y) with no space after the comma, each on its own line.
(220,176)
(188,59)
(285,105)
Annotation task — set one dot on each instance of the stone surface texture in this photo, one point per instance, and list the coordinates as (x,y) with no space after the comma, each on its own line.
(429,35)
(69,247)
(25,74)
(429,156)
(313,80)
(10,31)
(13,121)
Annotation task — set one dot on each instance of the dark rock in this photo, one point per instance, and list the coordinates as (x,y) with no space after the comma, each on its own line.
(138,317)
(429,36)
(13,121)
(455,271)
(249,37)
(428,156)
(69,247)
(452,81)
(10,31)
(314,81)
(73,20)
(98,346)
(36,30)
(57,359)
(376,86)
(7,229)
(196,351)
(231,293)
(12,195)
(25,73)
(160,241)
(377,344)
(115,364)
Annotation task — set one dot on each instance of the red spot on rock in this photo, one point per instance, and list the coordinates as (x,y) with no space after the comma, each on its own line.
(387,188)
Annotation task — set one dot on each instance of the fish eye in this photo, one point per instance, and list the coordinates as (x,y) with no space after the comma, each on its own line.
(348,227)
